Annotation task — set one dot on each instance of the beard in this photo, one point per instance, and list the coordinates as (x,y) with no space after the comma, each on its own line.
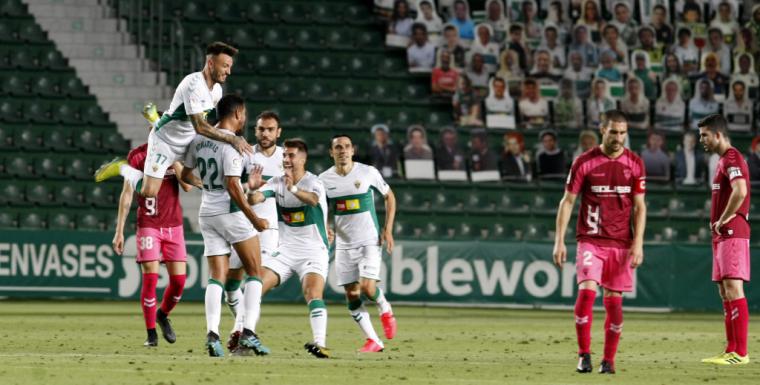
(216,76)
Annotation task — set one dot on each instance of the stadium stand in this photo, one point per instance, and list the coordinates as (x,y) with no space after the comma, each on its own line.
(330,67)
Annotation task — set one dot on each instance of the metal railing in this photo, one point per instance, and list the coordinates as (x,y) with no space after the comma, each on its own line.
(163,42)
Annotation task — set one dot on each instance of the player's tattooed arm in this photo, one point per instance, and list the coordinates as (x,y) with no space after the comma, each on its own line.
(202,127)
(386,237)
(564,212)
(177,166)
(188,177)
(232,183)
(125,202)
(636,253)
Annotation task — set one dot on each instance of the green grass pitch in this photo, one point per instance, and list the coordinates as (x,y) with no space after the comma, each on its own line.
(82,343)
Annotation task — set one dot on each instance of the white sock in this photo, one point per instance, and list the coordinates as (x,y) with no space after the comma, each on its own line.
(360,314)
(213,305)
(383,306)
(237,307)
(252,300)
(318,319)
(131,175)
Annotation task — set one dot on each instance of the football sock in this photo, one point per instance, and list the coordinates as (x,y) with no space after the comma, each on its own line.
(318,319)
(360,314)
(234,295)
(252,300)
(584,314)
(730,343)
(740,324)
(214,292)
(148,299)
(173,292)
(382,304)
(132,175)
(613,326)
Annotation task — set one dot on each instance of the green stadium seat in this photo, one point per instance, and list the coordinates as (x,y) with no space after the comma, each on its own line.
(88,140)
(357,14)
(53,60)
(14,8)
(61,221)
(513,204)
(537,232)
(100,196)
(94,115)
(20,167)
(326,13)
(15,85)
(89,221)
(228,11)
(195,11)
(393,67)
(58,140)
(78,168)
(32,220)
(415,94)
(328,65)
(12,194)
(32,33)
(10,111)
(8,219)
(49,167)
(115,143)
(321,91)
(40,194)
(267,64)
(299,65)
(24,59)
(339,39)
(310,39)
(292,13)
(242,38)
(46,86)
(259,12)
(70,195)
(6,138)
(73,88)
(8,33)
(67,112)
(370,41)
(38,111)
(28,139)
(277,38)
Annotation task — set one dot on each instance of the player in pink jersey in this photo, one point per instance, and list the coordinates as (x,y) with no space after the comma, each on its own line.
(729,224)
(160,238)
(611,181)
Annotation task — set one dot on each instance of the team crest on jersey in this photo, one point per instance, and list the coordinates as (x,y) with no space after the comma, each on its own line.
(155,168)
(358,184)
(627,173)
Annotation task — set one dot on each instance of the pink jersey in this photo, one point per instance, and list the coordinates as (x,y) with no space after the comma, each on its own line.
(607,187)
(164,210)
(730,167)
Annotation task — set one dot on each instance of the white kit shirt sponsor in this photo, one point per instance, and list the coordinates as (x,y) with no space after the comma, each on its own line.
(301,227)
(214,160)
(352,198)
(191,97)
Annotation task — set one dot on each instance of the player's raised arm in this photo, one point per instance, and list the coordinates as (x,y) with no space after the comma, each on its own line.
(125,202)
(564,212)
(639,224)
(203,127)
(386,237)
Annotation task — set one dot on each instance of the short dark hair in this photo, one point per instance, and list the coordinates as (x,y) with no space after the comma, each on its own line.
(613,116)
(298,143)
(269,114)
(714,123)
(449,27)
(530,81)
(660,6)
(515,28)
(498,79)
(332,140)
(228,104)
(684,31)
(419,26)
(219,47)
(738,82)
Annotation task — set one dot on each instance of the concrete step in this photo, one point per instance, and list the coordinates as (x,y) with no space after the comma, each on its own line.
(64,10)
(126,65)
(106,38)
(98,51)
(160,94)
(121,78)
(78,24)
(64,2)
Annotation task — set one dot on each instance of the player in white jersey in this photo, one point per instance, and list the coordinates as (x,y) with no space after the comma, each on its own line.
(351,189)
(196,96)
(302,212)
(226,219)
(267,156)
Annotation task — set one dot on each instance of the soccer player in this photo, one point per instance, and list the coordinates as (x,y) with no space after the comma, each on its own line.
(226,219)
(268,156)
(612,182)
(160,238)
(302,211)
(196,97)
(729,224)
(351,188)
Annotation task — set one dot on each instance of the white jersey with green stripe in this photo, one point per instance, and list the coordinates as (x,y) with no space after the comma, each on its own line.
(301,227)
(352,200)
(272,167)
(191,97)
(214,160)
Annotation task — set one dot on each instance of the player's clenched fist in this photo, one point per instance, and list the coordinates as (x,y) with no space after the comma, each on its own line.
(260,224)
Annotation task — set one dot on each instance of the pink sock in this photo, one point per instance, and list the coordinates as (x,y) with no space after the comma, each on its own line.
(740,324)
(584,314)
(148,299)
(730,343)
(613,326)
(173,292)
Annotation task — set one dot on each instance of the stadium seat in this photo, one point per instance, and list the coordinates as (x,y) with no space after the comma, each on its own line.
(70,195)
(6,138)
(73,88)
(259,12)
(309,39)
(88,140)
(357,14)
(28,139)
(292,13)
(61,220)
(115,143)
(49,167)
(94,115)
(19,166)
(195,11)
(12,194)
(15,85)
(228,11)
(38,111)
(58,140)
(326,13)
(10,112)
(46,86)
(40,194)
(8,219)
(338,39)
(14,8)
(99,196)
(53,60)
(78,168)
(89,221)
(32,33)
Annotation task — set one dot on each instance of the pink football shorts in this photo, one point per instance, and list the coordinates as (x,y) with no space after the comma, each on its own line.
(731,259)
(609,267)
(166,244)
